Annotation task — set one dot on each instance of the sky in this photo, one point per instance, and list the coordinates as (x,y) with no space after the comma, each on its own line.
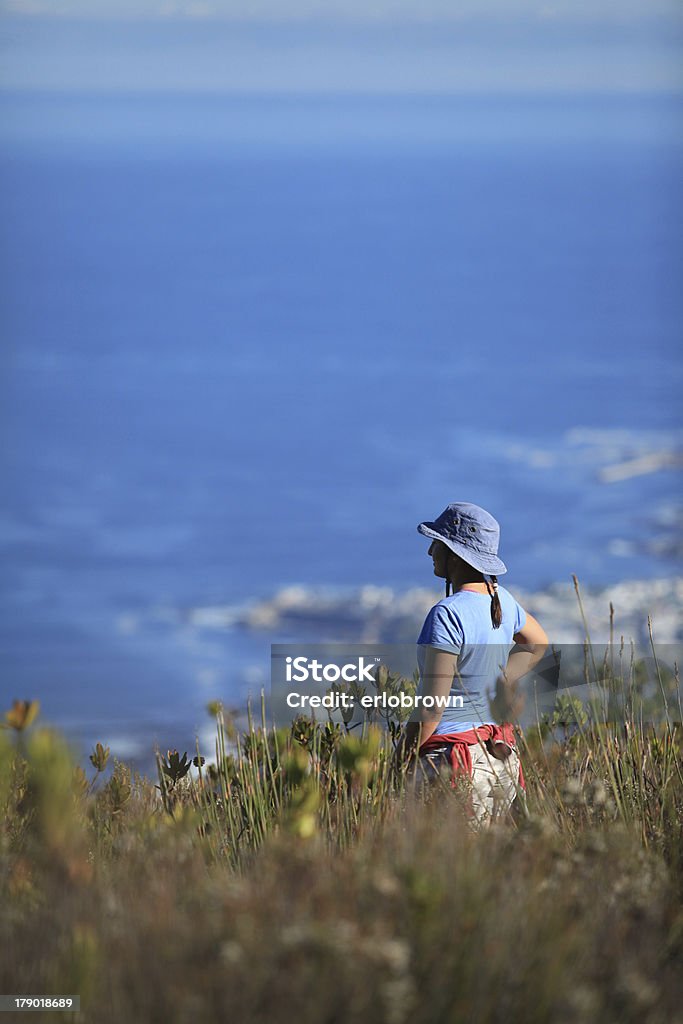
(587,11)
(341,46)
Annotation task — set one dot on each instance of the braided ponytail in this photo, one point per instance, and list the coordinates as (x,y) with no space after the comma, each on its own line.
(496,610)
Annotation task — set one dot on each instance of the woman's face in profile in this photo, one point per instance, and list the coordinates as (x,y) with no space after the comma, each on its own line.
(439,554)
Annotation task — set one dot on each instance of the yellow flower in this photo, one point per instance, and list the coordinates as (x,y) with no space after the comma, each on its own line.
(22,713)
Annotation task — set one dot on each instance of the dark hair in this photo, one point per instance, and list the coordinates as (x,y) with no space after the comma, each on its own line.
(496,610)
(492,587)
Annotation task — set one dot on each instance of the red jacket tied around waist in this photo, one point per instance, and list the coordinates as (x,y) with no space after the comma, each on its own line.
(460,757)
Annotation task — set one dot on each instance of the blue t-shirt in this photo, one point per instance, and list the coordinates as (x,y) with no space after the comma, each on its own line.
(461,624)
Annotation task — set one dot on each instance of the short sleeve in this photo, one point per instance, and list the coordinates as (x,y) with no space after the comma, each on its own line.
(442,628)
(520,618)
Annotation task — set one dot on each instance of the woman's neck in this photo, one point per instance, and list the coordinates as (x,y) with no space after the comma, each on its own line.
(478,588)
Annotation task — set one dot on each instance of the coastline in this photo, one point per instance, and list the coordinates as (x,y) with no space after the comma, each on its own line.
(222,651)
(371,614)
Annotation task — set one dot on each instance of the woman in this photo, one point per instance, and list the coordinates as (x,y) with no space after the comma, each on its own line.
(464,653)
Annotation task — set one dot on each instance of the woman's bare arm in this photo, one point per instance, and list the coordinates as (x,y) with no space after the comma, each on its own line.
(437,679)
(531,644)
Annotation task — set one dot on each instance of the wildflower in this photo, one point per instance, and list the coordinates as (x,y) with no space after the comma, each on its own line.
(79,781)
(330,739)
(296,767)
(22,714)
(357,755)
(303,730)
(119,790)
(175,767)
(302,817)
(99,757)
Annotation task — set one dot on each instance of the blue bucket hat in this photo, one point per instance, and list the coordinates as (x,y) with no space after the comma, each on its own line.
(472,533)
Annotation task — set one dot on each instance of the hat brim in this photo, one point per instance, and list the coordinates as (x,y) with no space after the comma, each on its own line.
(490,564)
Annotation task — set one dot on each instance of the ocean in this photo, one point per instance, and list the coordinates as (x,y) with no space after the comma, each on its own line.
(250,343)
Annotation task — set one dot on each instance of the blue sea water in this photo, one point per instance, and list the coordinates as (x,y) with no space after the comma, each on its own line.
(252,342)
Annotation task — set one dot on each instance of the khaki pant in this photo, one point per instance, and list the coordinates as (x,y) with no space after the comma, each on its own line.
(494,783)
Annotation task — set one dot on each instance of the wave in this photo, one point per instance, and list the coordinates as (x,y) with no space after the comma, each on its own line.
(371,614)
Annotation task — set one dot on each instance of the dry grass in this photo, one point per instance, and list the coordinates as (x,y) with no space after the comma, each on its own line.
(300,879)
